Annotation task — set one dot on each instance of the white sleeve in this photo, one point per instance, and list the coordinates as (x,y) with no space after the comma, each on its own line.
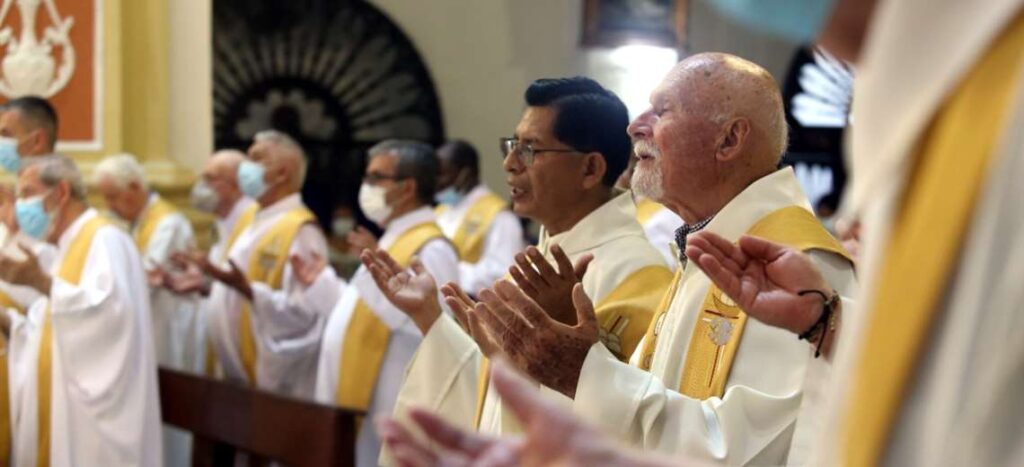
(283,318)
(503,241)
(440,260)
(637,407)
(95,320)
(172,234)
(442,377)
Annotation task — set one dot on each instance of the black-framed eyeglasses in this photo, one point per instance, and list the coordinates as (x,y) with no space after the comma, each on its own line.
(374,178)
(525,151)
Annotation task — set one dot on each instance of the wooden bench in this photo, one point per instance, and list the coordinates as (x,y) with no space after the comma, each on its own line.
(225,418)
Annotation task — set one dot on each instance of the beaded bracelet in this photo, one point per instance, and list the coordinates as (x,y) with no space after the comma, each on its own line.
(824,323)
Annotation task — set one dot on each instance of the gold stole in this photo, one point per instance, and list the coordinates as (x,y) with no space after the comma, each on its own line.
(469,237)
(266,265)
(950,167)
(719,328)
(366,337)
(70,271)
(243,222)
(5,408)
(623,315)
(155,213)
(646,209)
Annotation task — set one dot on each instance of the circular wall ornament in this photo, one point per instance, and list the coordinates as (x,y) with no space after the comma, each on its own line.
(339,76)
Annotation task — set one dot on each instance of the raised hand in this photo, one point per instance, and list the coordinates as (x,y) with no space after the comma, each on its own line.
(762,277)
(415,293)
(232,277)
(307,270)
(461,305)
(156,276)
(190,279)
(549,351)
(25,272)
(360,239)
(551,289)
(553,436)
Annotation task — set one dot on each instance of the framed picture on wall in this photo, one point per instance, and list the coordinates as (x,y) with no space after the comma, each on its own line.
(614,23)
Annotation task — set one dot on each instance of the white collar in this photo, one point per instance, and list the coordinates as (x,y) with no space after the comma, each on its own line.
(149,205)
(226,224)
(613,219)
(769,193)
(282,206)
(65,239)
(475,194)
(406,221)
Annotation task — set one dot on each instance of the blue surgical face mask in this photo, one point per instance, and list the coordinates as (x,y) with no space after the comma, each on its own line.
(10,160)
(796,20)
(32,216)
(449,196)
(250,179)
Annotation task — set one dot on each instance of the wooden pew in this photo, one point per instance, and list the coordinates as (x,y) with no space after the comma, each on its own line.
(225,417)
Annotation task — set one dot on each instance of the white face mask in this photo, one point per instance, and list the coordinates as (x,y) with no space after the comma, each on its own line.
(203,197)
(373,204)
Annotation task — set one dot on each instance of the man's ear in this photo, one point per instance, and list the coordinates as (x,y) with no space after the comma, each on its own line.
(733,140)
(409,189)
(37,140)
(61,193)
(594,168)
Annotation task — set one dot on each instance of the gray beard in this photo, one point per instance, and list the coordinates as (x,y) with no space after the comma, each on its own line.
(647,183)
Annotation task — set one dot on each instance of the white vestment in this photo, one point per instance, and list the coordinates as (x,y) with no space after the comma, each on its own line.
(444,374)
(441,261)
(287,332)
(503,240)
(962,405)
(753,422)
(104,408)
(178,329)
(208,309)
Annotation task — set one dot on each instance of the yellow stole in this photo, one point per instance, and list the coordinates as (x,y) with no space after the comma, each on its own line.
(5,408)
(155,213)
(266,265)
(70,271)
(950,167)
(469,237)
(646,209)
(719,328)
(622,315)
(243,222)
(366,337)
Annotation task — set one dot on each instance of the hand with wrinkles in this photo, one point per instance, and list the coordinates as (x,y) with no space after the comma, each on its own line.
(462,306)
(549,351)
(765,279)
(551,289)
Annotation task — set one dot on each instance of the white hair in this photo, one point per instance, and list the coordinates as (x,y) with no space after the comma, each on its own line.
(122,170)
(55,168)
(289,145)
